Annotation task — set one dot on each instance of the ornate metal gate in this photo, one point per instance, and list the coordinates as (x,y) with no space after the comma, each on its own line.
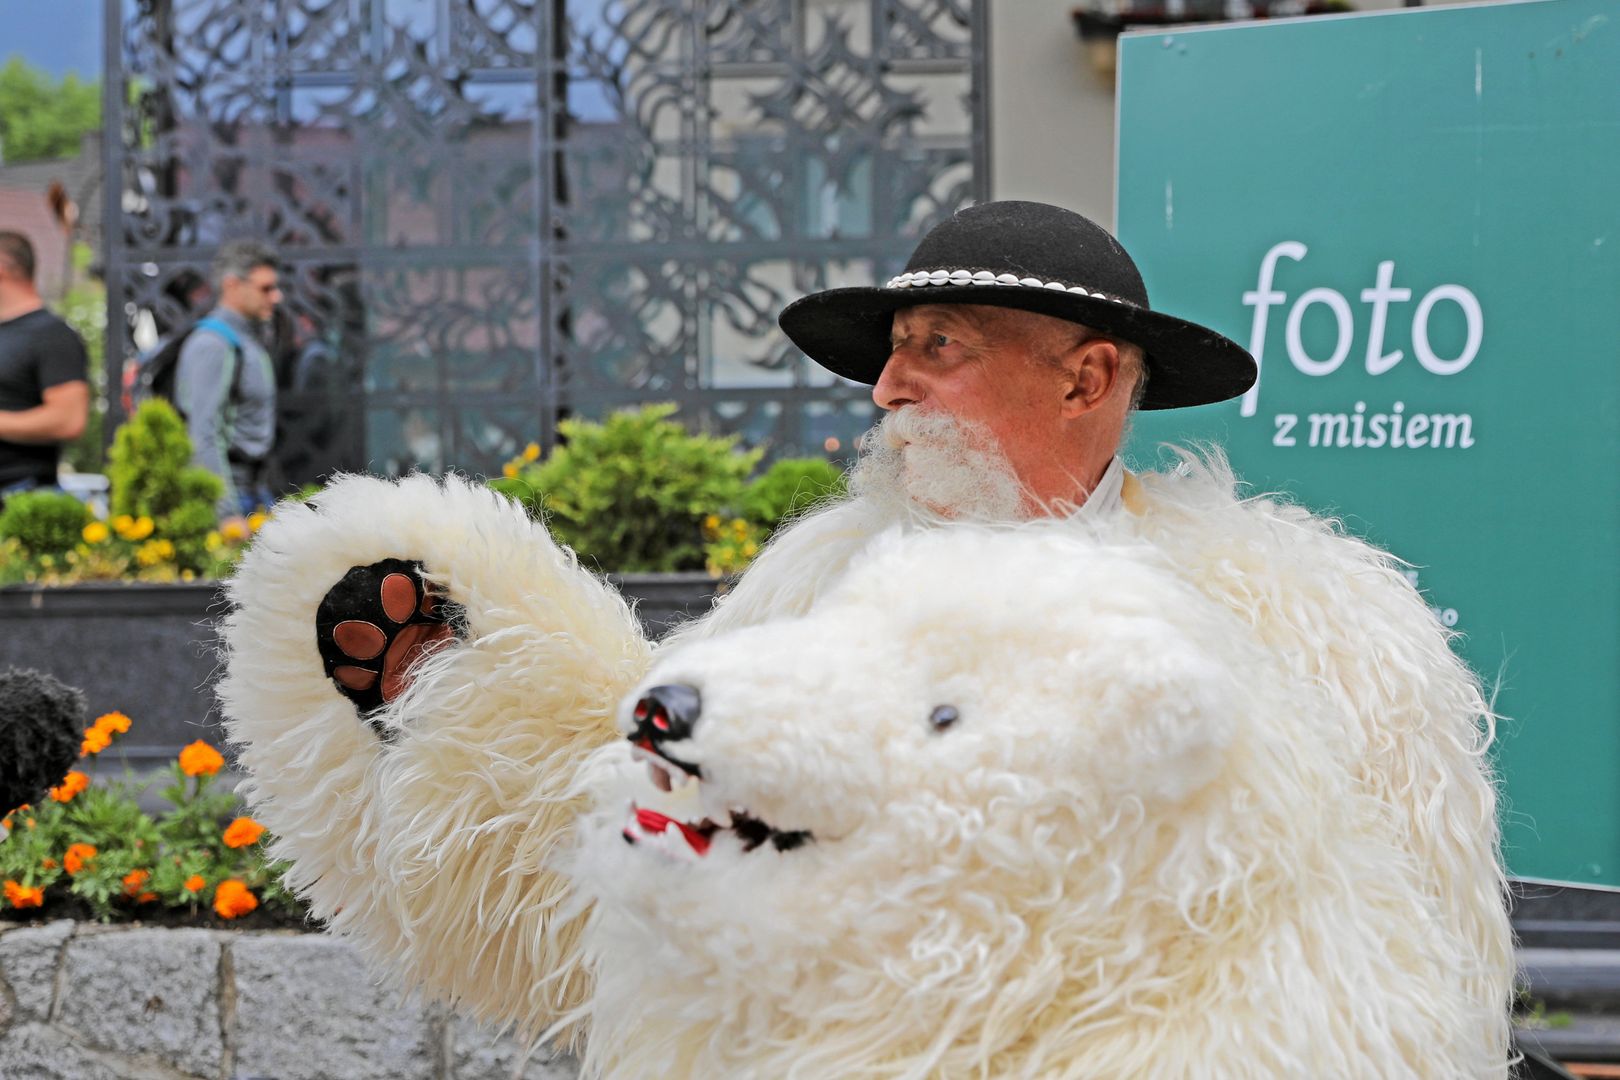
(493,213)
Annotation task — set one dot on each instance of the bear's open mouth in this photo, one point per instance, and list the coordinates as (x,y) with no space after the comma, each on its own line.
(646,824)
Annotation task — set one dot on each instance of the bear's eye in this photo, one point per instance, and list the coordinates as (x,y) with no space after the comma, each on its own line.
(943,717)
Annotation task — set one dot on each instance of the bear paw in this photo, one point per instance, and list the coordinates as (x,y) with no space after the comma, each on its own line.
(374,624)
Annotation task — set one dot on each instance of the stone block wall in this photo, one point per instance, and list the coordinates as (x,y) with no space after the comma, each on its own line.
(88,1002)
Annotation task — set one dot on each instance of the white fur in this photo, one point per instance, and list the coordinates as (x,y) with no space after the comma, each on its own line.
(1216,804)
(432,851)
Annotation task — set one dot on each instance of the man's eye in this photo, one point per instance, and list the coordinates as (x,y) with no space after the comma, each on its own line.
(939,340)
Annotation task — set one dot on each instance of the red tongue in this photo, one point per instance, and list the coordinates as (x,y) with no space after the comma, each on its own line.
(653,822)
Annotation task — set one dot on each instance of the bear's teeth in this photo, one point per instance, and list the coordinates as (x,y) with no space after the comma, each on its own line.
(659,776)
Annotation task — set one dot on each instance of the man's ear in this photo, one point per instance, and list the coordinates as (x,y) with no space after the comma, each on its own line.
(1093,368)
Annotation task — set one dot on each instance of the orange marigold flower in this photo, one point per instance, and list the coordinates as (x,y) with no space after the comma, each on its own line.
(24,896)
(233,899)
(146,898)
(73,783)
(242,832)
(95,741)
(48,863)
(113,721)
(77,855)
(200,759)
(195,883)
(134,880)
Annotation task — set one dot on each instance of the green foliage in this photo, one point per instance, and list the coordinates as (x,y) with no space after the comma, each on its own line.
(42,118)
(163,525)
(85,309)
(631,493)
(149,456)
(729,546)
(637,493)
(789,487)
(150,472)
(127,859)
(44,523)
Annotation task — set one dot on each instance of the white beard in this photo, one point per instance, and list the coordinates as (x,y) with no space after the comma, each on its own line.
(928,465)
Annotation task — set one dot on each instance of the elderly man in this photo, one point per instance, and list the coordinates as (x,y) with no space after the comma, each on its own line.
(1009,356)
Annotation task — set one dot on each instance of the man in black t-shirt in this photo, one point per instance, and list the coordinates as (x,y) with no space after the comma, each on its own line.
(44,382)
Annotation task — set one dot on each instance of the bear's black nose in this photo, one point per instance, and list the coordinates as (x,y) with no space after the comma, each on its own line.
(668,713)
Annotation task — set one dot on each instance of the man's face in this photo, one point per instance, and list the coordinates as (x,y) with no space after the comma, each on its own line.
(988,368)
(255,296)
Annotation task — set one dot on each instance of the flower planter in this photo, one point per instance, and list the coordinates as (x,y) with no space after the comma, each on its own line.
(99,1003)
(151,650)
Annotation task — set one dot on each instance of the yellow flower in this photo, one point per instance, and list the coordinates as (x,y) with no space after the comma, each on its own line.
(95,533)
(73,783)
(233,531)
(256,520)
(232,899)
(242,832)
(132,528)
(188,575)
(200,759)
(510,470)
(750,549)
(154,551)
(77,855)
(739,529)
(712,522)
(214,541)
(531,452)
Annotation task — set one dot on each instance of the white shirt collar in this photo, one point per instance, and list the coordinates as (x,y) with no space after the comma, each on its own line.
(1105,498)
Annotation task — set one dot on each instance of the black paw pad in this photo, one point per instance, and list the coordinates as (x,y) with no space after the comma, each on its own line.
(374,624)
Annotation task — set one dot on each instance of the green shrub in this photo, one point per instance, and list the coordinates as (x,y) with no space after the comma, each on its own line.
(150,472)
(150,456)
(789,487)
(631,493)
(44,523)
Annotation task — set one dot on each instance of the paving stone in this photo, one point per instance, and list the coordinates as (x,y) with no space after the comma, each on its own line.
(31,1051)
(306,1010)
(147,991)
(478,1054)
(28,959)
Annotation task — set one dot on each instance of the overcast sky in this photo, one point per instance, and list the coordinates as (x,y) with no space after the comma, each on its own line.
(57,35)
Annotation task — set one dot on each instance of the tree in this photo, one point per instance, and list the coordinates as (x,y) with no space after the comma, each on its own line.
(41,118)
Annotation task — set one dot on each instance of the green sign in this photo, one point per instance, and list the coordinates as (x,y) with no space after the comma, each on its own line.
(1413,221)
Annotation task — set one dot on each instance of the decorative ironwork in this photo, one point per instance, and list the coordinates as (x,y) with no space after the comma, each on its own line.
(494,213)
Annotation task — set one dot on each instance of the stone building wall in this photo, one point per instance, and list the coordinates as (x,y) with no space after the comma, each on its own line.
(88,1002)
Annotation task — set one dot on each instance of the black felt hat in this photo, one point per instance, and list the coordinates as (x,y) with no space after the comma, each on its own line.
(1033,257)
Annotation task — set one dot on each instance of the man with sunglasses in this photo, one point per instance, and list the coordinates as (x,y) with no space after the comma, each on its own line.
(231,414)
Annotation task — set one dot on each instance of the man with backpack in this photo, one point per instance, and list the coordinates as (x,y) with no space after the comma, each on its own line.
(44,385)
(224,383)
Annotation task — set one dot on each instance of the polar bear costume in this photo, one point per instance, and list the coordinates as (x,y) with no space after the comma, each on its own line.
(1197,789)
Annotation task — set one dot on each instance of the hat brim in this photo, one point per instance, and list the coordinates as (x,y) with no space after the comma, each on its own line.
(847,332)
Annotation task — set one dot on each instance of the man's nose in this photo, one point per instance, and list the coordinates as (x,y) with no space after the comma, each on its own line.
(667,713)
(895,387)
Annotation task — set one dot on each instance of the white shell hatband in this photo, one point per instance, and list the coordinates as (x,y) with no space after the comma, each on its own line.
(917,278)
